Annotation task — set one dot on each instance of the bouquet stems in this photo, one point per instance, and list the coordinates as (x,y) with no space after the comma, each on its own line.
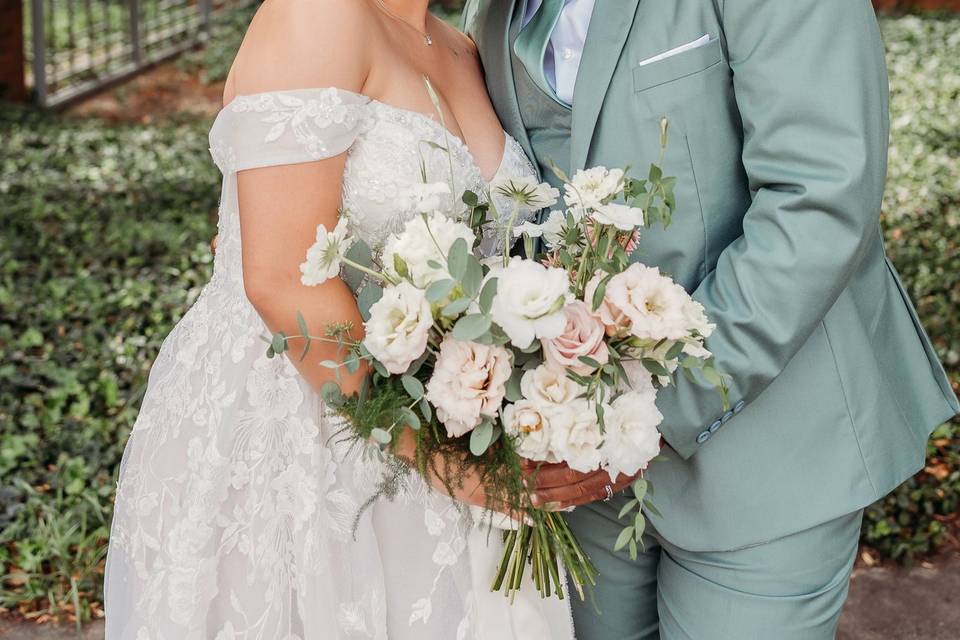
(543,544)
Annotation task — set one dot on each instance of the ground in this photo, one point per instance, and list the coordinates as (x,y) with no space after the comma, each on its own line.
(886,603)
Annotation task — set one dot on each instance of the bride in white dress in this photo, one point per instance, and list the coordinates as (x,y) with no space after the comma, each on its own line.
(236,505)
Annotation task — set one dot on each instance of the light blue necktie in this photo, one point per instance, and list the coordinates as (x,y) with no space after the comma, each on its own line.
(530,46)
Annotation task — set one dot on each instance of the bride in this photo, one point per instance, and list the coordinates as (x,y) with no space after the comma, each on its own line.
(236,505)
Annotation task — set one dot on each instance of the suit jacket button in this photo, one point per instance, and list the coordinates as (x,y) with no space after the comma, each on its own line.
(737,408)
(716,425)
(703,437)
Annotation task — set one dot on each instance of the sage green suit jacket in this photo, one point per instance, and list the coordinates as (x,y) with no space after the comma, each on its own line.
(778,135)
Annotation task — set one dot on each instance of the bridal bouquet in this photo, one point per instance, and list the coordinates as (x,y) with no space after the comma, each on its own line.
(485,362)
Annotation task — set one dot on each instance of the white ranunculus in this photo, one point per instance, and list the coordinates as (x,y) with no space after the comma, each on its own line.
(652,302)
(546,385)
(527,422)
(575,435)
(398,328)
(424,240)
(631,439)
(621,216)
(590,188)
(323,258)
(423,197)
(468,382)
(526,192)
(530,300)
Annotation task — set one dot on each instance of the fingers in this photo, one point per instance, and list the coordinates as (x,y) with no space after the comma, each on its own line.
(547,476)
(213,244)
(591,489)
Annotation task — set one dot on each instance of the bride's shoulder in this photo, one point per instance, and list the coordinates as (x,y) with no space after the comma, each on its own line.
(303,44)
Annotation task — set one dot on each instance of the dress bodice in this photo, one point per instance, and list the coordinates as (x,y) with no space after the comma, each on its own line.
(389,149)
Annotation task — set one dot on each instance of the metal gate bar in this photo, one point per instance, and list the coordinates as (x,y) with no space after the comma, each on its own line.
(78,47)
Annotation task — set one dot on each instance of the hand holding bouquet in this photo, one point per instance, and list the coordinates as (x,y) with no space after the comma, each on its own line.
(485,364)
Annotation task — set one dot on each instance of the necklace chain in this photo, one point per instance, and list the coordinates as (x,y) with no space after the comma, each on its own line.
(427,40)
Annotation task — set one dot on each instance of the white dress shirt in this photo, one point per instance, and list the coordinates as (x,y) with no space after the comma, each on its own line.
(562,60)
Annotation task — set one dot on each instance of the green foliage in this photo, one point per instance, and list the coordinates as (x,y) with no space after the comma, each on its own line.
(922,226)
(103,246)
(213,61)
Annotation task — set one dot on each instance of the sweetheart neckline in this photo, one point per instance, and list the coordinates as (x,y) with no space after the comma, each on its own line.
(386,105)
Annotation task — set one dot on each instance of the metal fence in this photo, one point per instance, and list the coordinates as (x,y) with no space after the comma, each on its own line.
(79,46)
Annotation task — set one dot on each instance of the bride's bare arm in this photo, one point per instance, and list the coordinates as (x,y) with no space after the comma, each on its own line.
(295,44)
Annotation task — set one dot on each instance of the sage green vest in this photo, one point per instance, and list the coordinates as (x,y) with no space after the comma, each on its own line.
(547,122)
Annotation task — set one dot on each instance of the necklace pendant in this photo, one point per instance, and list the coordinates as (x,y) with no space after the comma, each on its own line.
(427,40)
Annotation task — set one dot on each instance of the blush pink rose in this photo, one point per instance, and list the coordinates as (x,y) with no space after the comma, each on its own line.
(615,321)
(583,335)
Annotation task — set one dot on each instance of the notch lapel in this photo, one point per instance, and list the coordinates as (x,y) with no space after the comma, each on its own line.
(610,25)
(493,27)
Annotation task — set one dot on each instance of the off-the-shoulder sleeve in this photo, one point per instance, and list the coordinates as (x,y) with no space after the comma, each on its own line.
(286,127)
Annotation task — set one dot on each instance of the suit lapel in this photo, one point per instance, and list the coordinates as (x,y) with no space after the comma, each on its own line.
(493,29)
(610,25)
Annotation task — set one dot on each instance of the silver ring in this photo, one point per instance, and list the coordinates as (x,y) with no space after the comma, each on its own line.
(609,491)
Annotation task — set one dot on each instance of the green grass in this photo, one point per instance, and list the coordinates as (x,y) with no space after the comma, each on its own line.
(103,246)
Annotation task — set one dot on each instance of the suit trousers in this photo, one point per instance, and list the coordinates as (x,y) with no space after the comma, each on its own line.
(792,588)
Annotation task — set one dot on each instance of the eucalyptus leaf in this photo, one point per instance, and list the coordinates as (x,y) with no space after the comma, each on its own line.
(439,290)
(456,307)
(410,418)
(481,438)
(412,386)
(457,259)
(279,342)
(381,435)
(367,297)
(470,327)
(472,278)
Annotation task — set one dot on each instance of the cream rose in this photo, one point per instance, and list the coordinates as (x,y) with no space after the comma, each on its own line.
(528,423)
(652,302)
(398,328)
(584,336)
(614,320)
(530,300)
(423,241)
(575,435)
(631,439)
(468,382)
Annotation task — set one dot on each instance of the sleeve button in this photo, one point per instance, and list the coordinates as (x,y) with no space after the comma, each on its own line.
(726,417)
(737,408)
(703,437)
(716,425)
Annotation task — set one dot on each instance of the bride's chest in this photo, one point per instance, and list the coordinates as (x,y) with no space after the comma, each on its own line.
(399,150)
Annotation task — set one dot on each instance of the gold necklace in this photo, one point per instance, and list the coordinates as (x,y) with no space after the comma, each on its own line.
(427,40)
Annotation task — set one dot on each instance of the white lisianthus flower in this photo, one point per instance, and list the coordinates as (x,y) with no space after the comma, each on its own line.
(590,188)
(324,257)
(530,300)
(631,439)
(697,318)
(639,380)
(551,229)
(575,435)
(398,328)
(424,240)
(621,216)
(652,302)
(546,386)
(469,381)
(526,192)
(527,422)
(423,197)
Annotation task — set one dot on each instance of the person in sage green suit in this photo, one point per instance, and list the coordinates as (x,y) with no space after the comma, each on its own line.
(778,134)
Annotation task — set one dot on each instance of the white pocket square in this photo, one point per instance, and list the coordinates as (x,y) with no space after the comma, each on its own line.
(699,42)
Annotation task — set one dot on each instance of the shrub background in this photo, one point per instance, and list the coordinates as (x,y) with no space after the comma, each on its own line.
(103,245)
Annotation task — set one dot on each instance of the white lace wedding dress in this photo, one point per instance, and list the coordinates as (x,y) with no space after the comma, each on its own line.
(236,501)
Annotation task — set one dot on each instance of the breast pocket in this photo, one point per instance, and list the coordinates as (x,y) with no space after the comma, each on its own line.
(675,67)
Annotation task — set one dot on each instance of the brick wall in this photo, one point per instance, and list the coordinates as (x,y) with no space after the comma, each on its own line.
(11,51)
